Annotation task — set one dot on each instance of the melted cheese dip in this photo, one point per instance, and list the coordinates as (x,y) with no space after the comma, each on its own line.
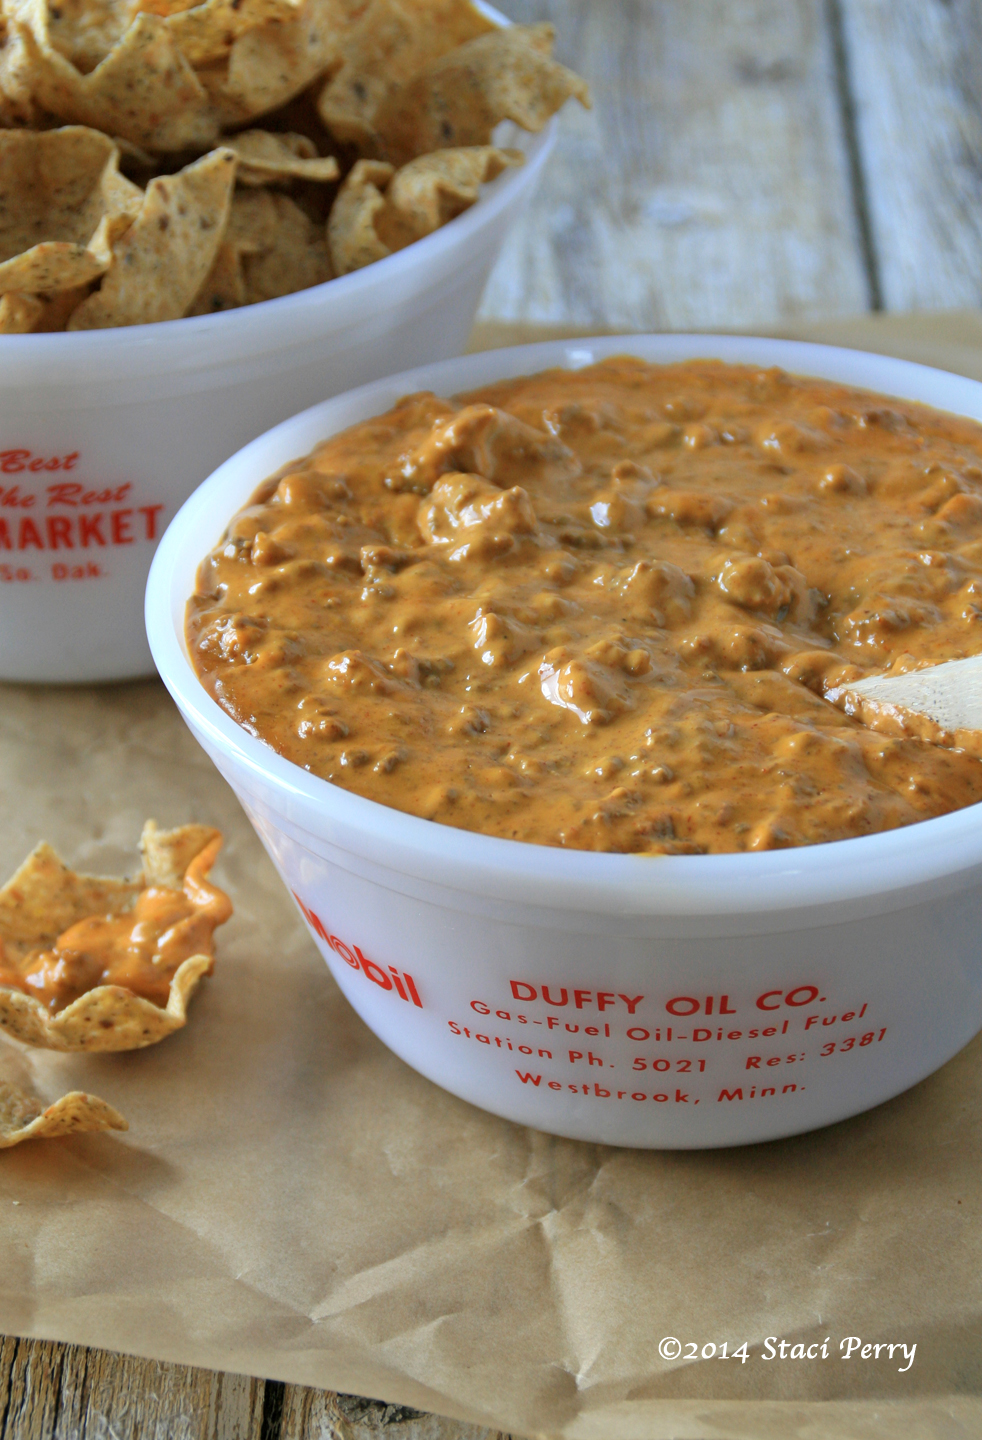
(600,609)
(140,949)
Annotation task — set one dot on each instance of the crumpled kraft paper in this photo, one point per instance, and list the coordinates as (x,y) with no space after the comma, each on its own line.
(293,1201)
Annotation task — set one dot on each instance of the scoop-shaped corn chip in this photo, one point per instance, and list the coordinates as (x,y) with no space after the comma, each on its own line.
(63,203)
(351,234)
(44,900)
(391,41)
(251,230)
(22,1117)
(166,854)
(460,98)
(432,189)
(224,287)
(271,248)
(162,260)
(379,210)
(106,1018)
(60,265)
(270,65)
(144,90)
(266,158)
(85,31)
(206,32)
(19,313)
(297,259)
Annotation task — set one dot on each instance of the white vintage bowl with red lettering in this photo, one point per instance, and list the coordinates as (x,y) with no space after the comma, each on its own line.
(656,1001)
(104,434)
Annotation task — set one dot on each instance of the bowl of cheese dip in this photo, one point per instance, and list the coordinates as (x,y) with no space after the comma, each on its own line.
(524,694)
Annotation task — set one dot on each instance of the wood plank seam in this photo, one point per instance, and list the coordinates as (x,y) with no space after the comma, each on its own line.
(58,1389)
(854,154)
(272,1421)
(6,1389)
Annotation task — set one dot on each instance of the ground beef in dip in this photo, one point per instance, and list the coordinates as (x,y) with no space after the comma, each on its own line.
(600,609)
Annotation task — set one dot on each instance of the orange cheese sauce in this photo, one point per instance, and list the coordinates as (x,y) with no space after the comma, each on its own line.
(601,609)
(140,949)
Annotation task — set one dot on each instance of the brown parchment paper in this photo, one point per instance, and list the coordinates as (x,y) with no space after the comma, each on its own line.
(292,1201)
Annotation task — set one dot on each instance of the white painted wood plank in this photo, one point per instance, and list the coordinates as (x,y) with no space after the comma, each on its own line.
(916,76)
(710,184)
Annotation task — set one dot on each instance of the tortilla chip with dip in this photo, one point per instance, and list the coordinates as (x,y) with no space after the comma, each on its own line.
(95,964)
(390,42)
(162,261)
(63,203)
(379,209)
(23,1117)
(460,98)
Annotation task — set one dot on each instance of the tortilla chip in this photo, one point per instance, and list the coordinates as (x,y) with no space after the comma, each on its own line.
(206,32)
(460,98)
(271,248)
(63,203)
(295,259)
(266,157)
(392,41)
(106,1018)
(22,1117)
(17,105)
(144,90)
(166,854)
(251,229)
(44,898)
(161,262)
(270,65)
(61,265)
(19,313)
(224,287)
(351,235)
(379,210)
(433,189)
(85,31)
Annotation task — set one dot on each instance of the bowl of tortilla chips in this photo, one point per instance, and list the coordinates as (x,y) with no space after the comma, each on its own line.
(210,218)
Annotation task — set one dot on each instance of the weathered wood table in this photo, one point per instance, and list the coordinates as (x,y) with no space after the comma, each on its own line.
(747,164)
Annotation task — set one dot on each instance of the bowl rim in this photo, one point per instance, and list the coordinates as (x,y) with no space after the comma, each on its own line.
(888,863)
(495,196)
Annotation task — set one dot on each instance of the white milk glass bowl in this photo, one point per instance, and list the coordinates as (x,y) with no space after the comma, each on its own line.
(103,434)
(654,1001)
